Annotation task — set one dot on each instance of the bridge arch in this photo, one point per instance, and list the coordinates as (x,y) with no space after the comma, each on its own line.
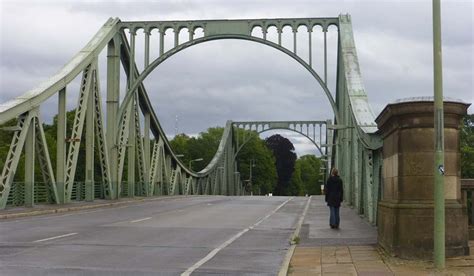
(263,126)
(152,66)
(355,142)
(318,147)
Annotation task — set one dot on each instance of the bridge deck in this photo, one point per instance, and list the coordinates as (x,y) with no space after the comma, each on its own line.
(202,234)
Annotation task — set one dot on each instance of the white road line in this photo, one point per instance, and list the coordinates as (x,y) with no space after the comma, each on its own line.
(138,220)
(56,237)
(229,241)
(286,262)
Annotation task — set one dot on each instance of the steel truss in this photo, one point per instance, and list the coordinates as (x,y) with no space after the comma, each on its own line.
(350,143)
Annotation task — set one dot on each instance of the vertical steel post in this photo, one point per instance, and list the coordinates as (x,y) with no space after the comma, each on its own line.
(295,30)
(310,31)
(113,95)
(30,164)
(132,57)
(131,154)
(329,142)
(279,36)
(61,145)
(176,37)
(162,41)
(325,30)
(147,49)
(89,179)
(147,151)
(131,131)
(439,204)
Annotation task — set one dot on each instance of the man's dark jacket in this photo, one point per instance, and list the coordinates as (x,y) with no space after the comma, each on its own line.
(333,191)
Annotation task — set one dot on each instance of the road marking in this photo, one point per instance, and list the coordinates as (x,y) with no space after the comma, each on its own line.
(286,261)
(138,220)
(229,241)
(56,237)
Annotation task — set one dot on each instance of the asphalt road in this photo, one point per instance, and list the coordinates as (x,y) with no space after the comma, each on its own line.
(195,235)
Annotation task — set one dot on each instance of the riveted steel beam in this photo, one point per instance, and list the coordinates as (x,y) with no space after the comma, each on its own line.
(162,173)
(75,139)
(45,161)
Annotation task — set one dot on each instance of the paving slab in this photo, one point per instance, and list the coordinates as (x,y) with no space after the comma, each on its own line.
(352,250)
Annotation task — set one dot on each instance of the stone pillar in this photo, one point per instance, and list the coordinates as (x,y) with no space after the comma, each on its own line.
(405,212)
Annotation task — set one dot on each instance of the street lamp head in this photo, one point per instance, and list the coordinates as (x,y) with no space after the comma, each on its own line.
(194,160)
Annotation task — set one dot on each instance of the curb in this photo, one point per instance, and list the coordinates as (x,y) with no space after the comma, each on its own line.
(286,262)
(79,208)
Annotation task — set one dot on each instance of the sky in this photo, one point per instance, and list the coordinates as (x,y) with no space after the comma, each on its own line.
(208,84)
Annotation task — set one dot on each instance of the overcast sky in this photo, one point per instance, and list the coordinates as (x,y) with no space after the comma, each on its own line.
(207,84)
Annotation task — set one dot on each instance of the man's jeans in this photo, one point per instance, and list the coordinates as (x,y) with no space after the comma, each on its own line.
(334,216)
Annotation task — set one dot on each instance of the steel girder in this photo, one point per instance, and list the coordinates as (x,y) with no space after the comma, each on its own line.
(351,143)
(89,104)
(102,146)
(318,132)
(308,129)
(78,125)
(358,147)
(28,135)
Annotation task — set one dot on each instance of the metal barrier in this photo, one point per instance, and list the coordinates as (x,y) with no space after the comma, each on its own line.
(17,194)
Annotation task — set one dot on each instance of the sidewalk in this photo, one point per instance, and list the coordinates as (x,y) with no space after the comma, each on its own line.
(367,260)
(353,250)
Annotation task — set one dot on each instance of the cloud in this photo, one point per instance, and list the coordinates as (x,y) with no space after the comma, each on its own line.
(207,84)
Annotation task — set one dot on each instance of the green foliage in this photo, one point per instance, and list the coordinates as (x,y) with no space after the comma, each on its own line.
(307,175)
(295,240)
(285,158)
(467,147)
(264,174)
(180,144)
(205,147)
(206,144)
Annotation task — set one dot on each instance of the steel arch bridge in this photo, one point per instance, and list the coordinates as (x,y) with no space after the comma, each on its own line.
(152,167)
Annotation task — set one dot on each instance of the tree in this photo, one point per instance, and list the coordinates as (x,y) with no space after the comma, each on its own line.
(467,147)
(180,146)
(264,175)
(285,158)
(206,144)
(307,175)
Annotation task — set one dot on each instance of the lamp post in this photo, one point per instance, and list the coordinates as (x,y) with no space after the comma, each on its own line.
(252,164)
(194,160)
(439,205)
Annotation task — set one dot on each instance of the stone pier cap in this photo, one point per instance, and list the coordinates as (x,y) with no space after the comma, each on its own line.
(417,105)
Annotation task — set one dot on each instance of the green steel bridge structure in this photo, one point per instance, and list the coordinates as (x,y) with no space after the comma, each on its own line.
(122,140)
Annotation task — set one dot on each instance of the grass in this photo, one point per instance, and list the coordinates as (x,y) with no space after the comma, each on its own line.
(295,240)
